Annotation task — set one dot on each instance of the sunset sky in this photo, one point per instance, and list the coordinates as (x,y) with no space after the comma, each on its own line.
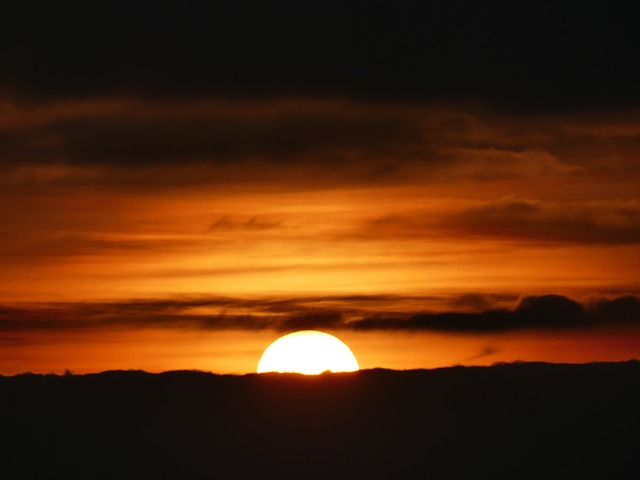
(435,183)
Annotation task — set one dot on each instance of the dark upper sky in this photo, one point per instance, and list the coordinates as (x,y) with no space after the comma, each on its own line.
(513,55)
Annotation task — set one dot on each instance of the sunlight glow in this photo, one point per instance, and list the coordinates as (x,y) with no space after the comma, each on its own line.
(309,352)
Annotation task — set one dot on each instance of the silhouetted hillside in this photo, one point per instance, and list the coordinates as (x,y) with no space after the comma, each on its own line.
(514,420)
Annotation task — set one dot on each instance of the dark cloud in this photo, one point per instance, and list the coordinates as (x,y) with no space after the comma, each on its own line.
(594,222)
(546,312)
(313,321)
(136,142)
(604,222)
(473,302)
(211,313)
(624,309)
(486,352)
(149,144)
(142,134)
(525,56)
(550,311)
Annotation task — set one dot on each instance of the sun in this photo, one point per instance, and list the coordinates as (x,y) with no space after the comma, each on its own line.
(309,352)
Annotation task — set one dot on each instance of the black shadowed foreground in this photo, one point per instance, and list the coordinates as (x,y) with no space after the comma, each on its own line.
(516,420)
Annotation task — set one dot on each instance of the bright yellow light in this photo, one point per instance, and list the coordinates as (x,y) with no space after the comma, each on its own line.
(309,352)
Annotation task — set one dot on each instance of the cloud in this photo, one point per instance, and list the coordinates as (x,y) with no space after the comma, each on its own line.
(143,144)
(313,321)
(485,352)
(605,222)
(625,309)
(128,132)
(310,142)
(204,313)
(534,312)
(497,163)
(362,313)
(550,311)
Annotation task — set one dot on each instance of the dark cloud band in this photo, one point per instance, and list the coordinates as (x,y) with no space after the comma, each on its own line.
(547,312)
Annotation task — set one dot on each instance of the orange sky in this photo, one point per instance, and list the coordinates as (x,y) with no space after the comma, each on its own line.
(336,209)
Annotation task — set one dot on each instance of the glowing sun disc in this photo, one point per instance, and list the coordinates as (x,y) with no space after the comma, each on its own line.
(309,352)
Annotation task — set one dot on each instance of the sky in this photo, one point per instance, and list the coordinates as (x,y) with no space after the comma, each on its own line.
(435,183)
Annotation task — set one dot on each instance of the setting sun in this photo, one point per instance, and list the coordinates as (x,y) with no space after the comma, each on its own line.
(309,352)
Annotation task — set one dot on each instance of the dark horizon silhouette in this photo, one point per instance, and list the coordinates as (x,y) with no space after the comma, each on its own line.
(518,420)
